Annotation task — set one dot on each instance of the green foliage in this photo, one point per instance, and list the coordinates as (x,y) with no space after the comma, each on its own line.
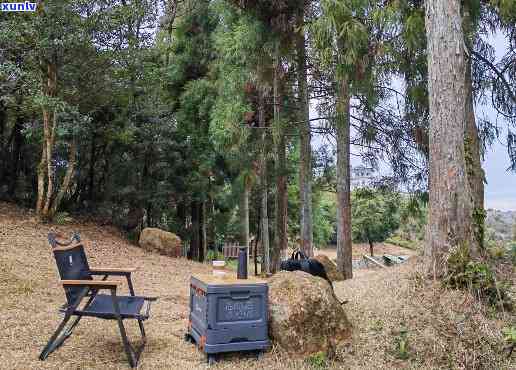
(236,40)
(413,219)
(512,252)
(479,217)
(507,9)
(377,325)
(408,244)
(510,335)
(477,277)
(324,204)
(318,360)
(374,214)
(214,255)
(349,40)
(156,107)
(324,217)
(62,218)
(497,251)
(402,345)
(414,32)
(133,236)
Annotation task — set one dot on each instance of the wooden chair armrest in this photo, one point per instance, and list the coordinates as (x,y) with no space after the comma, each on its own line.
(98,284)
(111,270)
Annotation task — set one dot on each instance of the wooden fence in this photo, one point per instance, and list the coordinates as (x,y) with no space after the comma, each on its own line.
(230,250)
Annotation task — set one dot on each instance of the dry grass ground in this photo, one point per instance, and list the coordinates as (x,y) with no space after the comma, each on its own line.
(360,249)
(443,329)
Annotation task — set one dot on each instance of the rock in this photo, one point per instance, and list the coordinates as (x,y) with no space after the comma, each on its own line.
(330,268)
(304,316)
(163,242)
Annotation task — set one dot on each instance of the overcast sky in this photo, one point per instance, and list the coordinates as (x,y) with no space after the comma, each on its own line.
(500,191)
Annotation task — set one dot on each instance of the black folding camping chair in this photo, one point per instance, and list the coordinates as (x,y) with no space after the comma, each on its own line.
(80,287)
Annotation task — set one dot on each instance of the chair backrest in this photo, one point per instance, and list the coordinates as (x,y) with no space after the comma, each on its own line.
(72,263)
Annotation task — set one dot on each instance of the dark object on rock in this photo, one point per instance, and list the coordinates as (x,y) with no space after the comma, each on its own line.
(304,316)
(330,268)
(299,262)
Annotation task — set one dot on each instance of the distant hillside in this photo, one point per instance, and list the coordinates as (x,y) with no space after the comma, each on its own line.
(500,224)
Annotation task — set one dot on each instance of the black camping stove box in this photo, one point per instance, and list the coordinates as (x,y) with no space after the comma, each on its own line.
(227,314)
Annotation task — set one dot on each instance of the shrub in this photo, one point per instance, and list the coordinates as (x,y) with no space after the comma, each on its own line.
(509,335)
(62,218)
(496,251)
(408,244)
(402,347)
(375,215)
(476,276)
(213,255)
(318,360)
(512,252)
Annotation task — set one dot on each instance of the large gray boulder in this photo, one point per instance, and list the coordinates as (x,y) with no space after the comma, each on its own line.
(304,316)
(160,241)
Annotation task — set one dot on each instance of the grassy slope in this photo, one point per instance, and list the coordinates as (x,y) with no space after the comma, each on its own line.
(443,329)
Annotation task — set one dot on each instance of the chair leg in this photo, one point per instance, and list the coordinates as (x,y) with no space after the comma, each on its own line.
(142,329)
(127,346)
(59,336)
(144,339)
(133,355)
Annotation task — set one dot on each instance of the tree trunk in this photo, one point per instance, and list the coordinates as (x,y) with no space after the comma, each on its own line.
(181,214)
(476,175)
(450,222)
(305,170)
(15,155)
(344,244)
(280,235)
(70,171)
(49,121)
(3,150)
(264,187)
(244,217)
(148,213)
(204,246)
(371,248)
(256,249)
(211,222)
(195,244)
(42,171)
(93,165)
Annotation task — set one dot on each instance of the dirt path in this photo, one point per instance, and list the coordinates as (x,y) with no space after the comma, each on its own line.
(379,249)
(30,296)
